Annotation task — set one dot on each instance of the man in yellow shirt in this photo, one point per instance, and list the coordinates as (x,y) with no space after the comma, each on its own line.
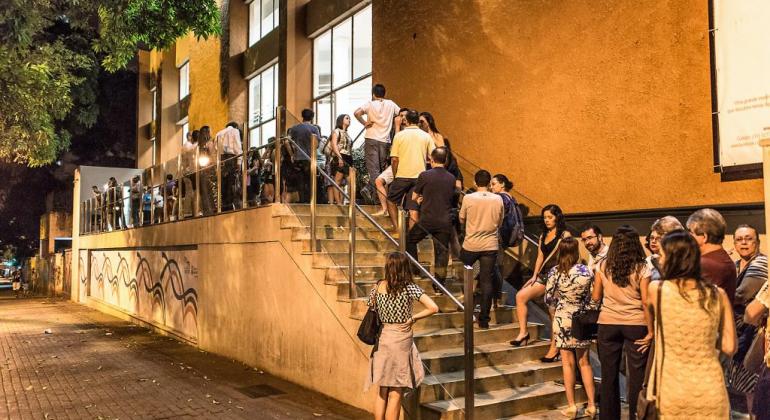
(409,154)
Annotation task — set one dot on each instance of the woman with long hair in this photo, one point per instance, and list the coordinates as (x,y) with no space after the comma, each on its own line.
(342,156)
(621,287)
(395,363)
(428,124)
(554,230)
(694,314)
(752,275)
(568,289)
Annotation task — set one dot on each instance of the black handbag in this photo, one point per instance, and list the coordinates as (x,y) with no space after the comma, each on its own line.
(369,330)
(585,324)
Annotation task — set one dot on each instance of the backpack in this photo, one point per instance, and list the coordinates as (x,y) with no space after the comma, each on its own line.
(517,234)
(325,146)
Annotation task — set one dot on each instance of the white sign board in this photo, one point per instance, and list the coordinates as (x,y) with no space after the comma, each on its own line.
(742,58)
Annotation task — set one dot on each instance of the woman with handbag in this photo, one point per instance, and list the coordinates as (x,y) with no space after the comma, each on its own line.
(689,315)
(752,275)
(756,314)
(395,362)
(568,289)
(621,287)
(554,230)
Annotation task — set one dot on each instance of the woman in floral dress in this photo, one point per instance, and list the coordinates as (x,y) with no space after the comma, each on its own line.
(568,290)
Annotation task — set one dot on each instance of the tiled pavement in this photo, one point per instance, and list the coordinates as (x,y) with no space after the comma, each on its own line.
(93,366)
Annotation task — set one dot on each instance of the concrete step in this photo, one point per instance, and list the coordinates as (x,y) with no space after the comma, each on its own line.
(339,233)
(496,354)
(327,209)
(450,338)
(555,414)
(503,402)
(442,320)
(342,245)
(450,385)
(333,221)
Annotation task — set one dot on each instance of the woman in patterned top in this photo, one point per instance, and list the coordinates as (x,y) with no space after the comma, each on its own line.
(395,362)
(756,314)
(568,290)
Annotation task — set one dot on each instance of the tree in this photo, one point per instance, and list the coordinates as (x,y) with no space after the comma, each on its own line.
(50,57)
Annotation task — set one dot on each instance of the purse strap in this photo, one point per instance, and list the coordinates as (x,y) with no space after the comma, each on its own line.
(555,248)
(658,337)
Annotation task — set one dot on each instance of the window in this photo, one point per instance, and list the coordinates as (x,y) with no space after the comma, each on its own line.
(263,98)
(342,70)
(184,80)
(154,104)
(185,130)
(263,18)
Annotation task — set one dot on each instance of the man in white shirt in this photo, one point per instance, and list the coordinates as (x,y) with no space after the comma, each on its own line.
(378,123)
(592,239)
(482,214)
(229,142)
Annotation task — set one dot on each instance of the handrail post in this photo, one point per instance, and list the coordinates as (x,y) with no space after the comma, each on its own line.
(245,166)
(352,238)
(277,146)
(313,191)
(179,186)
(403,228)
(197,196)
(468,348)
(219,176)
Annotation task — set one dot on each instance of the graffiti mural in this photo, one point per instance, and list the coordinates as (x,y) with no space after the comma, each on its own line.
(83,275)
(157,286)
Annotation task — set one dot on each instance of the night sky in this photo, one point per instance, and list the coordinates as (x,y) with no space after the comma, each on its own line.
(110,142)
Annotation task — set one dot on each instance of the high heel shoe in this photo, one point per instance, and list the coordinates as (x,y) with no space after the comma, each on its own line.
(522,342)
(546,359)
(590,412)
(570,412)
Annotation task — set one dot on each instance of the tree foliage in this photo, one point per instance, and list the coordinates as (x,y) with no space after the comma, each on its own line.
(50,57)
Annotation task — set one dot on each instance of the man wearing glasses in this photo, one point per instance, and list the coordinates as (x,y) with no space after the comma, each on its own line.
(592,239)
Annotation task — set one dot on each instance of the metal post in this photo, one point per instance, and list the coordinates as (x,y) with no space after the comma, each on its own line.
(179,185)
(313,191)
(403,228)
(468,350)
(164,211)
(352,237)
(278,144)
(219,176)
(245,167)
(197,198)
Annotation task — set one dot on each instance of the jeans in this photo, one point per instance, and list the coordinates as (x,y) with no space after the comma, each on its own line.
(487,259)
(612,341)
(376,155)
(441,238)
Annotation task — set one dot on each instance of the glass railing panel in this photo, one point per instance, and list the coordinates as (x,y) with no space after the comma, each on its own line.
(208,181)
(171,190)
(229,175)
(187,182)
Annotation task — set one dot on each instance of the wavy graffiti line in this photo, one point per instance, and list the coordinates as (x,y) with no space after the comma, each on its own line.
(124,276)
(83,270)
(187,297)
(155,289)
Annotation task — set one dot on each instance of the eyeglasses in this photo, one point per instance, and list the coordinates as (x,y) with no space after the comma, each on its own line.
(655,238)
(747,239)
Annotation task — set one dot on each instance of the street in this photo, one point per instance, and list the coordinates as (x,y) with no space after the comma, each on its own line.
(60,360)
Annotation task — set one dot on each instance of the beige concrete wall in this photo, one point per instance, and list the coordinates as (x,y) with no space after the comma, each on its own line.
(260,300)
(597,106)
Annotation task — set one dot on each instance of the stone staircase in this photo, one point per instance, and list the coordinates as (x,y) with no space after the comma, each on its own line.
(509,381)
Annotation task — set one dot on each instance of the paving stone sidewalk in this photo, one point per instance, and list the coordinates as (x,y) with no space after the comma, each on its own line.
(94,366)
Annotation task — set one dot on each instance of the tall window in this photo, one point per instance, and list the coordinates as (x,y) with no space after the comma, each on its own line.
(184,80)
(263,18)
(342,70)
(185,130)
(154,125)
(263,98)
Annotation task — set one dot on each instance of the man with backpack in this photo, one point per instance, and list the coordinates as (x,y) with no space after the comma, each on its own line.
(511,231)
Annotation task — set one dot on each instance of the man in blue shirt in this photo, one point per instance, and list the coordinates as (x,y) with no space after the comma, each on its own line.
(302,134)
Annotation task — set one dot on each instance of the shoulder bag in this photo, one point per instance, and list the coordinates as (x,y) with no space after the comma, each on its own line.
(369,330)
(647,408)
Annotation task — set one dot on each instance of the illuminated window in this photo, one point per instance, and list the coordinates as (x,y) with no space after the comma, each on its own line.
(184,80)
(263,18)
(263,98)
(342,70)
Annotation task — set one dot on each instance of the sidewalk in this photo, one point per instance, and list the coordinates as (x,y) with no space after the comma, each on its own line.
(93,366)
